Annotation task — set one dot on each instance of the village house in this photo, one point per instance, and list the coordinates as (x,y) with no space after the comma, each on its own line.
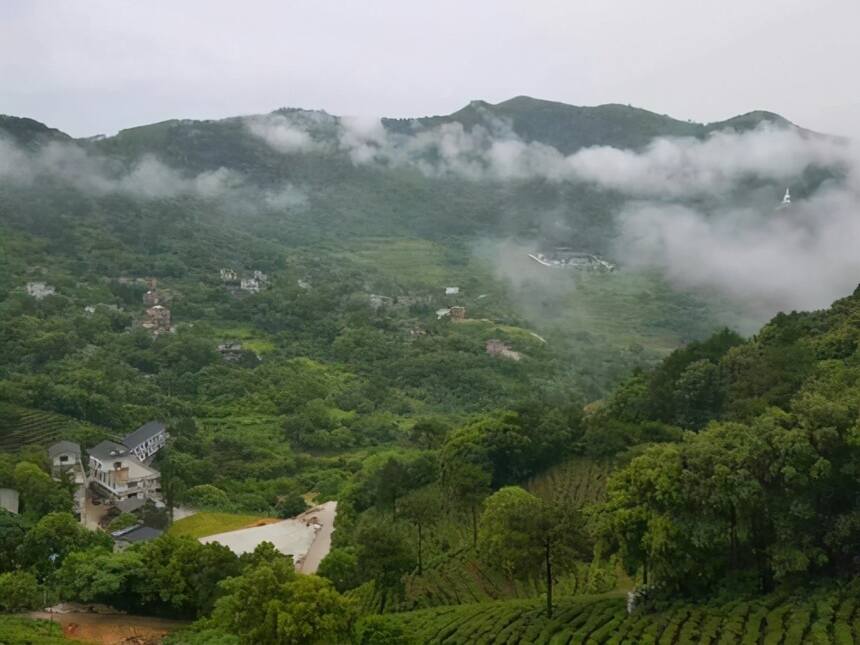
(40,290)
(495,347)
(65,459)
(452,291)
(146,440)
(251,285)
(409,301)
(9,500)
(120,474)
(66,462)
(457,313)
(124,538)
(228,275)
(157,319)
(259,276)
(377,301)
(151,298)
(230,351)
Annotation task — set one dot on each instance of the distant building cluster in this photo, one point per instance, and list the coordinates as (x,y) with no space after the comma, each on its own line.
(566,258)
(156,320)
(40,290)
(118,476)
(251,284)
(495,347)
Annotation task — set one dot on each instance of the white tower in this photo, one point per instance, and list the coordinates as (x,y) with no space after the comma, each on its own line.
(786,199)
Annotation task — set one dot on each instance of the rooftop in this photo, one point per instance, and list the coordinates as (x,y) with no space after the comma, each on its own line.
(9,499)
(107,450)
(63,447)
(143,433)
(137,534)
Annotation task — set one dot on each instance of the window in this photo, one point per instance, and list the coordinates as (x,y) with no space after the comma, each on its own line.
(64,458)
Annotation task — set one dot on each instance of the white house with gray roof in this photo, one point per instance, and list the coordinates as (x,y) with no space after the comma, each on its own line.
(66,462)
(121,474)
(147,440)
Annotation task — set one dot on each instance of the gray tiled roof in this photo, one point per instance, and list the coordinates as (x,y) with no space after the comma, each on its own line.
(102,451)
(138,534)
(144,432)
(62,447)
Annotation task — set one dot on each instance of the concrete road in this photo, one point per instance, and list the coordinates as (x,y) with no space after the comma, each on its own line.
(306,537)
(321,545)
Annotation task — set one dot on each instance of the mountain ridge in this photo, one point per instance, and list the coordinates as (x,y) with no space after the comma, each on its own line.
(531,118)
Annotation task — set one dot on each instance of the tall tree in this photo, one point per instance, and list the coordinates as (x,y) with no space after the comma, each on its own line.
(523,534)
(421,507)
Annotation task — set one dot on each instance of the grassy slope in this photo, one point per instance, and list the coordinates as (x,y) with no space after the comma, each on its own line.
(205,523)
(827,616)
(16,630)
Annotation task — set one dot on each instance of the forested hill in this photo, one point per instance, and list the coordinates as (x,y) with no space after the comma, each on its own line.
(565,127)
(304,175)
(570,127)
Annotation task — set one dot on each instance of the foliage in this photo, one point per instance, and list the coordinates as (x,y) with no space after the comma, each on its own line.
(16,630)
(19,591)
(522,534)
(270,603)
(55,536)
(341,567)
(122,521)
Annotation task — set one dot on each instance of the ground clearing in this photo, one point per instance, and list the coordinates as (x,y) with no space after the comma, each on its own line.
(306,537)
(111,629)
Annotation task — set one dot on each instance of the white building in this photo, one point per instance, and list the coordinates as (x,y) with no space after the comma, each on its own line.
(66,462)
(146,440)
(9,499)
(40,290)
(121,474)
(259,276)
(228,275)
(452,291)
(250,284)
(786,199)
(66,458)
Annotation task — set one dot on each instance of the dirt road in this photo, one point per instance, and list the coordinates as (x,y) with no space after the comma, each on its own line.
(111,629)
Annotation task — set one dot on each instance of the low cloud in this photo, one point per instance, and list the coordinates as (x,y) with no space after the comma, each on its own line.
(803,257)
(669,167)
(145,178)
(763,258)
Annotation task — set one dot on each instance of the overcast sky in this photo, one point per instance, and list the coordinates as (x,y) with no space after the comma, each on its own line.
(97,66)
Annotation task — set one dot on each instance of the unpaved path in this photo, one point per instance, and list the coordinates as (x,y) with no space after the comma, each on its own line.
(306,537)
(111,629)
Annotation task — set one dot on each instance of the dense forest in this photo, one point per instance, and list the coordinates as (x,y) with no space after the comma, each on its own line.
(518,453)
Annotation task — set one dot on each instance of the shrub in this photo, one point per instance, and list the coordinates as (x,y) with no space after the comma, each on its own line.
(19,591)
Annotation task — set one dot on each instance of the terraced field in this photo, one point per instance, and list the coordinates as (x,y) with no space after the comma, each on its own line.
(828,616)
(580,480)
(21,427)
(464,579)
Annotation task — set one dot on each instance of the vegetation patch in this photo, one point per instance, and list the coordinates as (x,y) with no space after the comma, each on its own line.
(204,523)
